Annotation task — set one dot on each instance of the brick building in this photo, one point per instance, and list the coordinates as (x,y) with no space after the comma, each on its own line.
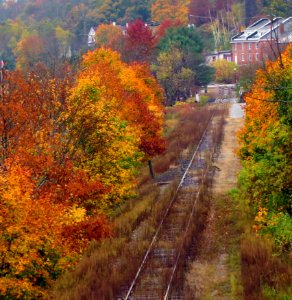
(260,40)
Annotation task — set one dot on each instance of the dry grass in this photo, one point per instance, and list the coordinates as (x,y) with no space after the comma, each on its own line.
(215,272)
(112,263)
(190,121)
(200,279)
(260,268)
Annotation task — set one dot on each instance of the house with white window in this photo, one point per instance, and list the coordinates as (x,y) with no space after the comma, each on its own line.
(216,55)
(261,40)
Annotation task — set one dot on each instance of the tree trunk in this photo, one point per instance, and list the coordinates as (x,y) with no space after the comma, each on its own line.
(151,169)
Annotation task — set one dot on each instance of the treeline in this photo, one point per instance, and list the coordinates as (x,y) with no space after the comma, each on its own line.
(174,52)
(265,182)
(71,144)
(60,28)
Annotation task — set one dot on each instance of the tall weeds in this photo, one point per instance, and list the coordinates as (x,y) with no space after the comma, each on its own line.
(188,131)
(260,268)
(111,263)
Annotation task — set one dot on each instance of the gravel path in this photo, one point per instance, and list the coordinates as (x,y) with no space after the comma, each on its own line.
(236,111)
(209,274)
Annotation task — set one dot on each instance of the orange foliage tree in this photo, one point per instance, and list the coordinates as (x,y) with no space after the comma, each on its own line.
(118,108)
(109,36)
(162,10)
(69,148)
(29,50)
(265,180)
(42,189)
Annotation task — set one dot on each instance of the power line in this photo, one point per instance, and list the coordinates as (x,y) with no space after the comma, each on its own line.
(204,17)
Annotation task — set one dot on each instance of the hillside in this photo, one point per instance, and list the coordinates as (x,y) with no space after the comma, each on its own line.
(64,24)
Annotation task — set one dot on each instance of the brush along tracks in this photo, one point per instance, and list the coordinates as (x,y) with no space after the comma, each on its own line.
(158,270)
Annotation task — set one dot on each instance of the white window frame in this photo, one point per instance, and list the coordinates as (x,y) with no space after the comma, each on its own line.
(242,57)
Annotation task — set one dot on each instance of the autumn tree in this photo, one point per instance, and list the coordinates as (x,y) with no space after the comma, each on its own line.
(161,30)
(176,79)
(44,221)
(139,42)
(224,71)
(29,51)
(161,10)
(104,138)
(109,36)
(265,151)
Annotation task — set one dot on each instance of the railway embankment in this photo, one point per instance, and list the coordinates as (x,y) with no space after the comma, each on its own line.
(215,271)
(109,267)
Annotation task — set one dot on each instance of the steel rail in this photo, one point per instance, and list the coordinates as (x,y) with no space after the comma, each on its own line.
(130,290)
(184,238)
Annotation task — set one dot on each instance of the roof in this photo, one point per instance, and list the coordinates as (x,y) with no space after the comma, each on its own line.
(263,29)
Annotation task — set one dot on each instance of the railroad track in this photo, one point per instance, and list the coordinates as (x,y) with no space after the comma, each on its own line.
(155,276)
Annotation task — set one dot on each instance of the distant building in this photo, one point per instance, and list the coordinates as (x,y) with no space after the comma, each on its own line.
(224,54)
(255,43)
(91,37)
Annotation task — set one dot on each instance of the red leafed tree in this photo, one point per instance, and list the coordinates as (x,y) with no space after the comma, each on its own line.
(152,142)
(139,42)
(43,190)
(165,25)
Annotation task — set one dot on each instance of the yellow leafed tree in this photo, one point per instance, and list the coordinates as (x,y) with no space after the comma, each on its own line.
(178,10)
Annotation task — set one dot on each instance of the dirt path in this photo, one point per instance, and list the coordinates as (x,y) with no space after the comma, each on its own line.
(214,273)
(227,162)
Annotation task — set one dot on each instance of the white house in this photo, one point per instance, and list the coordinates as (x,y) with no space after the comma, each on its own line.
(91,37)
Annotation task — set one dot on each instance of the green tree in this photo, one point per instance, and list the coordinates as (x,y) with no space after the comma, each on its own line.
(279,8)
(63,38)
(122,10)
(180,63)
(224,71)
(173,76)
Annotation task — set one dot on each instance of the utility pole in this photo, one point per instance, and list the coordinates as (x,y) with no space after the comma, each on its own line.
(2,75)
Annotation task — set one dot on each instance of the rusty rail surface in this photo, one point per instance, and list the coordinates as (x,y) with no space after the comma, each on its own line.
(154,277)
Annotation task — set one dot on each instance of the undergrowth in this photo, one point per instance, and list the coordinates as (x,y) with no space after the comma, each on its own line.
(112,262)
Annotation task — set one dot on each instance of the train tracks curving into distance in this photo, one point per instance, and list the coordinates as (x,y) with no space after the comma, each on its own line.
(157,274)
